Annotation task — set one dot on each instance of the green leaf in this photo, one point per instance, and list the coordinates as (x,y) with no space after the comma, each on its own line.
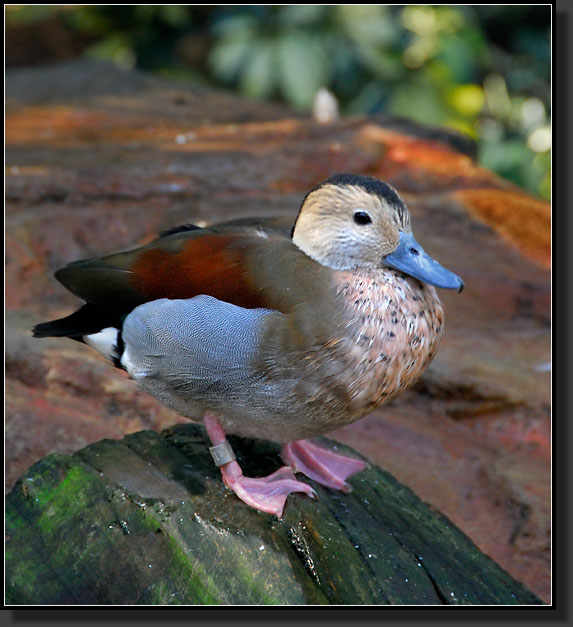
(381,62)
(369,99)
(228,56)
(302,14)
(420,101)
(241,25)
(258,76)
(303,69)
(467,100)
(116,48)
(175,15)
(459,57)
(28,14)
(509,158)
(369,25)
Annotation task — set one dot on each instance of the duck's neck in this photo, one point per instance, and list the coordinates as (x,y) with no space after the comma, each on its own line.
(319,245)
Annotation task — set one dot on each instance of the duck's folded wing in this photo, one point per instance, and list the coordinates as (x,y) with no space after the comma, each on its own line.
(195,347)
(182,265)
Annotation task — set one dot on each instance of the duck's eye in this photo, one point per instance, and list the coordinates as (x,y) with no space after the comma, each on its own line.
(361,217)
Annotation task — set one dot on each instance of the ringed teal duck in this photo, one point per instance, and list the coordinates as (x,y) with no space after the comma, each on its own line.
(269,332)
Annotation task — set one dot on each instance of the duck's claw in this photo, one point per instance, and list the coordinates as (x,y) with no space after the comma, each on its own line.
(324,466)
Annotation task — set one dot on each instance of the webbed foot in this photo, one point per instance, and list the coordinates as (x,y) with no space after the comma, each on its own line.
(267,494)
(323,465)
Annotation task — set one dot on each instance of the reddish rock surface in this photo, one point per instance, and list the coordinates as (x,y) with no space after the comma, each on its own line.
(99,161)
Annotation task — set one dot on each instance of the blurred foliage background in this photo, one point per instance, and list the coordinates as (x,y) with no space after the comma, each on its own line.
(484,70)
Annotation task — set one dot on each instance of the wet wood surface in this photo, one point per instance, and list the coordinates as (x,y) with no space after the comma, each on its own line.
(147,520)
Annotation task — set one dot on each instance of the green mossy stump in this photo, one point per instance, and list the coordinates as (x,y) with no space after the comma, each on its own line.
(147,520)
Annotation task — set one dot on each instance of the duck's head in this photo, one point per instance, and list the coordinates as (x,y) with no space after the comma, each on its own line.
(350,221)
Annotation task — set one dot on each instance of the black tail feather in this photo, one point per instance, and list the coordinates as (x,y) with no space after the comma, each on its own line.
(86,320)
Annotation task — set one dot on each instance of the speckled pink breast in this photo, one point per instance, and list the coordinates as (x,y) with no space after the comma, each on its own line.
(394,333)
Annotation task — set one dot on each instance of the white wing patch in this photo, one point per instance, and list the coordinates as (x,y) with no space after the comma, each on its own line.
(105,342)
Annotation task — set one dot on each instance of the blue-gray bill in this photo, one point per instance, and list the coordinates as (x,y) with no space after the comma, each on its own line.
(411,259)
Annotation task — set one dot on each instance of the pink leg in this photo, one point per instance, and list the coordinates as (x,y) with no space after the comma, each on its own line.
(267,494)
(325,466)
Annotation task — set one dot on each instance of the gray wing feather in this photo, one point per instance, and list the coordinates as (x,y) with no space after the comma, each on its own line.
(200,347)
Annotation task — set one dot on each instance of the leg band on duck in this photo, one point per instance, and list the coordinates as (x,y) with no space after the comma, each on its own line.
(222,453)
